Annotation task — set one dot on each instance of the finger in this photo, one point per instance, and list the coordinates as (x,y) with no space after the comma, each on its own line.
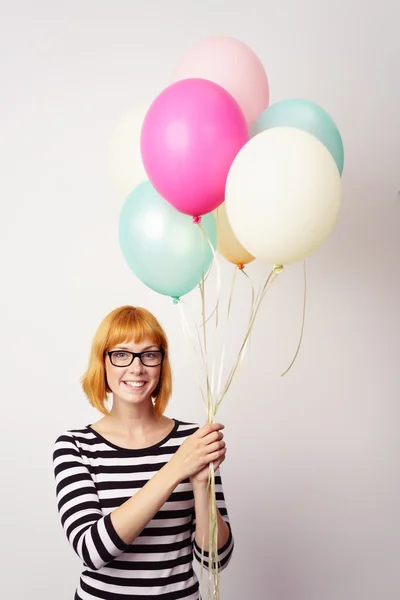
(209,428)
(213,436)
(219,462)
(215,447)
(202,431)
(216,456)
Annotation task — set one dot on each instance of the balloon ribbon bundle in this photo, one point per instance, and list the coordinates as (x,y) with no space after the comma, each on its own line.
(211,386)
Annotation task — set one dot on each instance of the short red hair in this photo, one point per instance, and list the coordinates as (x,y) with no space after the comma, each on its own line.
(120,326)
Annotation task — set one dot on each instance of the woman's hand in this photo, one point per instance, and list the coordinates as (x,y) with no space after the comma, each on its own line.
(194,456)
(201,478)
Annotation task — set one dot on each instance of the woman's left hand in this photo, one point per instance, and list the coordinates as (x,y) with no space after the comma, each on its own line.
(201,478)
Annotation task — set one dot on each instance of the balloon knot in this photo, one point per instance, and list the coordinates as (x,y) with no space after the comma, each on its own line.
(175,300)
(277,269)
(240,266)
(196,220)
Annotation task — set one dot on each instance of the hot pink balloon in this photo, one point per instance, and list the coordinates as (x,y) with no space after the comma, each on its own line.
(234,66)
(190,135)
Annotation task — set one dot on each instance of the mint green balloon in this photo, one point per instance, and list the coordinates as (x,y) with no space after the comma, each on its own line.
(162,246)
(305,115)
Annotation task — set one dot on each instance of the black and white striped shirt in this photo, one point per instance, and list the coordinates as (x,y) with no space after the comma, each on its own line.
(93,477)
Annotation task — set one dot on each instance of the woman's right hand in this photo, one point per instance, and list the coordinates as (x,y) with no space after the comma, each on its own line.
(200,449)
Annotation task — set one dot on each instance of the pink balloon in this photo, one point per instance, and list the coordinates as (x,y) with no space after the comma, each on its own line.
(190,135)
(234,66)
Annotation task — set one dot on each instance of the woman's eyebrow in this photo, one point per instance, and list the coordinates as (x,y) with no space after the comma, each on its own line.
(143,349)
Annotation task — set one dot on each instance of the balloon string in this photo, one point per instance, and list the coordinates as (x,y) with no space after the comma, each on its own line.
(192,347)
(260,296)
(213,579)
(205,319)
(213,570)
(250,280)
(208,386)
(252,290)
(224,334)
(203,351)
(235,270)
(213,397)
(303,322)
(213,528)
(213,523)
(211,411)
(218,270)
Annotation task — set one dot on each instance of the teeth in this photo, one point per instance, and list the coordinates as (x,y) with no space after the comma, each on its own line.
(135,384)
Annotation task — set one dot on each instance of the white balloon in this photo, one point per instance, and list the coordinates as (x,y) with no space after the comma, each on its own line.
(283,195)
(126,165)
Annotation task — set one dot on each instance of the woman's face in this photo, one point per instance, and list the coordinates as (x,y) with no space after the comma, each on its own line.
(136,382)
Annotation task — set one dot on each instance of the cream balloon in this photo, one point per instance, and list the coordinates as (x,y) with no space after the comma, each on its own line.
(126,165)
(228,244)
(283,195)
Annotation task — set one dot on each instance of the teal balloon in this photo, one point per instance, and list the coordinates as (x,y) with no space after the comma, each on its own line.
(305,115)
(162,246)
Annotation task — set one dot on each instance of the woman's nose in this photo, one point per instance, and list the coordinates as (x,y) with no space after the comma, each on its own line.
(136,366)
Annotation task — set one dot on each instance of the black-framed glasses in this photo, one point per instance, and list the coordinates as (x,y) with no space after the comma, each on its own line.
(148,358)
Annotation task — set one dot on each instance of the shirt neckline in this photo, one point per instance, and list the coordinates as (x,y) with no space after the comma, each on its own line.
(134,450)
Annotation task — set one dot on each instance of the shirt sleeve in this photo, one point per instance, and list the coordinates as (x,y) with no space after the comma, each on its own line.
(224,553)
(91,534)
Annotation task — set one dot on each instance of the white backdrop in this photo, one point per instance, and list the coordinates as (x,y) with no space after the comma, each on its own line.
(312,477)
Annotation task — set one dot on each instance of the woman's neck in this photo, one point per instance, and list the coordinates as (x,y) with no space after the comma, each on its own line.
(132,419)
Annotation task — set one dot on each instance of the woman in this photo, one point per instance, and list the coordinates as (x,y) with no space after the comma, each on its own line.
(132,488)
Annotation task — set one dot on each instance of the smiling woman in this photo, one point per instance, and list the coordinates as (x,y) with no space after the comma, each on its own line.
(132,488)
(124,329)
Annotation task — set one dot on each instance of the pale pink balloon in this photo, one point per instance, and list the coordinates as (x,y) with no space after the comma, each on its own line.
(234,66)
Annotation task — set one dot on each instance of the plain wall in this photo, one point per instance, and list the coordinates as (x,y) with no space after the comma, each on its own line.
(312,476)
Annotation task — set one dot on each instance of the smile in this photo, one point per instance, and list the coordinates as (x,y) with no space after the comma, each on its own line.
(135,384)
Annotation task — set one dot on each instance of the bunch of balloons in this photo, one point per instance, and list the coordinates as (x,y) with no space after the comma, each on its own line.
(265,181)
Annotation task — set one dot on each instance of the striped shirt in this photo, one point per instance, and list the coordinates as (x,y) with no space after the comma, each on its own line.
(93,477)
